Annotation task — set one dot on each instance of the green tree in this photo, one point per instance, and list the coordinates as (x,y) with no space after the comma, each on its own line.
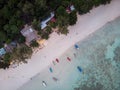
(62,21)
(4,65)
(54,4)
(6,13)
(21,39)
(21,53)
(63,30)
(14,29)
(7,58)
(65,3)
(8,41)
(48,30)
(28,8)
(96,2)
(40,32)
(83,6)
(72,18)
(61,11)
(34,44)
(53,24)
(3,36)
(46,33)
(36,25)
(41,3)
(6,28)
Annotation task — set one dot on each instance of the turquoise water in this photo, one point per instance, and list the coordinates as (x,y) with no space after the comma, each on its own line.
(99,58)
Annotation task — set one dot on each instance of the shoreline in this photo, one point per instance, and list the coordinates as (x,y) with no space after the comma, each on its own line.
(13,78)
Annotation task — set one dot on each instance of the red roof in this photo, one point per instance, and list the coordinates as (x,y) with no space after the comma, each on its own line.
(68,10)
(53,20)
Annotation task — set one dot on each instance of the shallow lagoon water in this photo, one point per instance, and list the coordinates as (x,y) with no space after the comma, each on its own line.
(99,58)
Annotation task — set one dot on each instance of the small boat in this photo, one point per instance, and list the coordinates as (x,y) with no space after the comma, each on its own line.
(50,69)
(53,62)
(44,84)
(76,46)
(55,79)
(74,55)
(79,68)
(68,59)
(57,60)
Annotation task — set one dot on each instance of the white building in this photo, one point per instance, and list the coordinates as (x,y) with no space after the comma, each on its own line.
(44,22)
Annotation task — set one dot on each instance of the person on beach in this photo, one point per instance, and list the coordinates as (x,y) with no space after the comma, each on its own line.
(74,55)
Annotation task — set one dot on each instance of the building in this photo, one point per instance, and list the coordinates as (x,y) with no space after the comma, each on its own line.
(44,22)
(2,51)
(72,8)
(29,33)
(10,47)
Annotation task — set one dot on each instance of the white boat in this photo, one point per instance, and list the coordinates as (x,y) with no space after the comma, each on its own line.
(44,84)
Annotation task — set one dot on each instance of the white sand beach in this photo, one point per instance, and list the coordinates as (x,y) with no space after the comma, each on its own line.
(13,78)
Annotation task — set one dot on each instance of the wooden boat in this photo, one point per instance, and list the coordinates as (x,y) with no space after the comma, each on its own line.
(68,59)
(57,60)
(79,68)
(76,46)
(51,70)
(44,84)
(55,79)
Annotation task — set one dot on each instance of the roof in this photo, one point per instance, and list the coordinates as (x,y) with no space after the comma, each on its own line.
(2,51)
(26,31)
(44,22)
(53,20)
(13,44)
(72,7)
(29,33)
(10,47)
(43,25)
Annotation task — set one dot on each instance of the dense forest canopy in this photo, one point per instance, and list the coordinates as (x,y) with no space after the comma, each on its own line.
(14,14)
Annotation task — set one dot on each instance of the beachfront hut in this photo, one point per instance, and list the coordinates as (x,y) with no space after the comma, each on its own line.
(10,47)
(2,51)
(29,33)
(44,22)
